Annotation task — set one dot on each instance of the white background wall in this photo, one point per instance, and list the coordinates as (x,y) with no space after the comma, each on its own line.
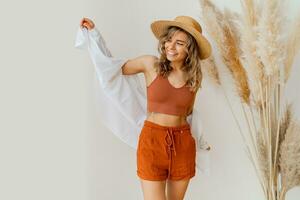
(52,143)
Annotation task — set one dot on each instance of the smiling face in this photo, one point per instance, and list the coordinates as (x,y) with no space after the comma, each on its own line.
(176,47)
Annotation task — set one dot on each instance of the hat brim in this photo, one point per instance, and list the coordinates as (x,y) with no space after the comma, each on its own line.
(160,26)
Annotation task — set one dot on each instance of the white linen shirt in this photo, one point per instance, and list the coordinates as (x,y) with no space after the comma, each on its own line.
(122,98)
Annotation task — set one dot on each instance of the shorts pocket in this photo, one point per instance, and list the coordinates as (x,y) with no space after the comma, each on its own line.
(193,140)
(193,147)
(144,135)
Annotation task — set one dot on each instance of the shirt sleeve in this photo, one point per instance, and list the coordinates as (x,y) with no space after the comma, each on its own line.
(202,154)
(121,100)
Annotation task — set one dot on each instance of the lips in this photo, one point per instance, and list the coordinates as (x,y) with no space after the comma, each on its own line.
(171,53)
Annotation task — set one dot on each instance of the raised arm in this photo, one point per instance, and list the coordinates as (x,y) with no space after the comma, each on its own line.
(139,64)
(132,66)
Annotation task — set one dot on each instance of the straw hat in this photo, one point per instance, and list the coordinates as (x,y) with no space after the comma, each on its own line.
(188,24)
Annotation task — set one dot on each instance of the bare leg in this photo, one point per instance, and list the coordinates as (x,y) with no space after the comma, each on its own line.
(176,189)
(153,190)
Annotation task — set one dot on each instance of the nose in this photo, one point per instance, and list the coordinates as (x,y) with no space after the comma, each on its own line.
(172,45)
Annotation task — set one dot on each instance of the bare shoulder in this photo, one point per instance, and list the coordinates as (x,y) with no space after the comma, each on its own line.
(150,72)
(139,64)
(150,61)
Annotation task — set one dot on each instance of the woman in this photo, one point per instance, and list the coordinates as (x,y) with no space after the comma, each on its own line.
(166,148)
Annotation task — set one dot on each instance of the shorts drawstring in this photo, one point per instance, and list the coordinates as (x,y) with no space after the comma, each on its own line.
(171,146)
(170,134)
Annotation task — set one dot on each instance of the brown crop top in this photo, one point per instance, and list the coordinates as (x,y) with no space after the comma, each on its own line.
(163,97)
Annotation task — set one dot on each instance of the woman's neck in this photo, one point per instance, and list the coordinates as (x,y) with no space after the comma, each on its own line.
(176,66)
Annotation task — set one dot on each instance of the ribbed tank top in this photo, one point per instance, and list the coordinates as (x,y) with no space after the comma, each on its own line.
(163,97)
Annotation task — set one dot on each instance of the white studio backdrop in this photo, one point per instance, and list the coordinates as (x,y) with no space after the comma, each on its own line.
(52,142)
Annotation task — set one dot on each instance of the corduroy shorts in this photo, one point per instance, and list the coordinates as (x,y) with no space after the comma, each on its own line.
(166,152)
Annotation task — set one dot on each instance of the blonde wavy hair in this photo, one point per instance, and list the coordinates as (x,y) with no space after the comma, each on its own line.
(192,64)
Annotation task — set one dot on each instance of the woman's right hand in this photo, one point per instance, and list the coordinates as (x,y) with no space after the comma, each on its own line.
(87,23)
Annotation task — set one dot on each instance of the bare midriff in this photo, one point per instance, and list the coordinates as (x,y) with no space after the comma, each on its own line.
(166,119)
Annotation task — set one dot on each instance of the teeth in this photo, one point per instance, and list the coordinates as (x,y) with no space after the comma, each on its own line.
(171,53)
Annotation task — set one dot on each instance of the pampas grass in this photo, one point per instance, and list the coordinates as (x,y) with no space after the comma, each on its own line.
(225,38)
(289,157)
(253,66)
(254,49)
(270,48)
(292,47)
(209,67)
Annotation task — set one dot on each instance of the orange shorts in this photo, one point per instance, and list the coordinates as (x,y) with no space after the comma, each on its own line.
(166,152)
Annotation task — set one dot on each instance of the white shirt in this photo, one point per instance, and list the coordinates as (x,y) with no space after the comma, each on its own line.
(122,98)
